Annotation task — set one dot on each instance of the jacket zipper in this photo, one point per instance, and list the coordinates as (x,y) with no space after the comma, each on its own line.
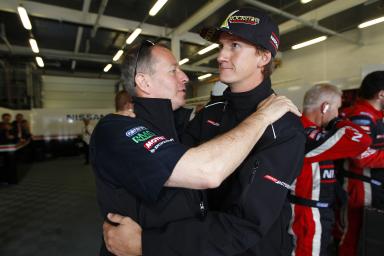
(250,181)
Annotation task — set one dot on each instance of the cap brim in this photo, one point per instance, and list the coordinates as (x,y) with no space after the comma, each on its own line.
(212,34)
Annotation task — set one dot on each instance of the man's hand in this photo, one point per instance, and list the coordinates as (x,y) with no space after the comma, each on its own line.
(123,239)
(274,107)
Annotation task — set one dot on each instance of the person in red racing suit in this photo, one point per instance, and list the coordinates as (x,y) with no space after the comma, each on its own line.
(315,189)
(364,177)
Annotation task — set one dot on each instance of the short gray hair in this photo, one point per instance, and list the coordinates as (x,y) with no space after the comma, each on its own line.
(144,64)
(318,94)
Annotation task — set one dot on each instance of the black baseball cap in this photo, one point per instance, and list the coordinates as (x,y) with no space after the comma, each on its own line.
(249,24)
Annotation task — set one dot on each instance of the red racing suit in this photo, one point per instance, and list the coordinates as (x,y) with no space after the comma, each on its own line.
(314,190)
(364,177)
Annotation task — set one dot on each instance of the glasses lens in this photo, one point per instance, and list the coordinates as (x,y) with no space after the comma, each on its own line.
(143,44)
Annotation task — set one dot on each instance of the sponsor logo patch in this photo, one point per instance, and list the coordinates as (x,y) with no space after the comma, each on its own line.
(143,136)
(362,121)
(328,174)
(274,41)
(158,145)
(212,123)
(278,182)
(249,20)
(134,131)
(367,153)
(149,144)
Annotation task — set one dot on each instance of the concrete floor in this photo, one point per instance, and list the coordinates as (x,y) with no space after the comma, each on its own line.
(52,211)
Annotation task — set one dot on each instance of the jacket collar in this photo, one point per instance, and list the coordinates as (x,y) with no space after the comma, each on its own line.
(307,123)
(250,99)
(157,112)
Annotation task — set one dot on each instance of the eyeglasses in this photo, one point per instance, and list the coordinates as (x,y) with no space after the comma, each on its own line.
(143,44)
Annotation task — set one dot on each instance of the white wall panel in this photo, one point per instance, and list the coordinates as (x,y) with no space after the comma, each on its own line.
(333,60)
(74,92)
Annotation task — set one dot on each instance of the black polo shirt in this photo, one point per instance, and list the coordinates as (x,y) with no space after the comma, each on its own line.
(130,153)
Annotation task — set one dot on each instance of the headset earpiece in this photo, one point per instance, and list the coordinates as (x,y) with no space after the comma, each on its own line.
(325,108)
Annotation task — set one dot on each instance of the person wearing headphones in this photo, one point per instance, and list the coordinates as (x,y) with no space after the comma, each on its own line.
(364,180)
(315,190)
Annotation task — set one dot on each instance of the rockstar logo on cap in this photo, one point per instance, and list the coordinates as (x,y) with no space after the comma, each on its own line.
(225,23)
(249,20)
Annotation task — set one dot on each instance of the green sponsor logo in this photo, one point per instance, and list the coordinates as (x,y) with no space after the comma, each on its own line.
(143,136)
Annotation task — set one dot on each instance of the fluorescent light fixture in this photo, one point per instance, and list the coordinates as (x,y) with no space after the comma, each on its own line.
(133,36)
(183,61)
(24,17)
(108,67)
(40,62)
(157,6)
(371,22)
(204,76)
(118,55)
(293,88)
(207,49)
(305,1)
(310,42)
(34,46)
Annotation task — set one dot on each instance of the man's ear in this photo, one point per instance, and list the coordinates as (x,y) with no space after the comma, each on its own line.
(142,84)
(381,94)
(265,57)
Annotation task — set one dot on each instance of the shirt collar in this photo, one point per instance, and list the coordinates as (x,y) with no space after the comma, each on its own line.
(157,112)
(249,99)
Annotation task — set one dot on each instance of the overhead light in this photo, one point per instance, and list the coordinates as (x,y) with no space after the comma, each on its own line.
(310,42)
(34,46)
(305,1)
(24,17)
(40,62)
(157,6)
(133,36)
(207,49)
(371,22)
(118,55)
(108,67)
(204,76)
(293,88)
(183,61)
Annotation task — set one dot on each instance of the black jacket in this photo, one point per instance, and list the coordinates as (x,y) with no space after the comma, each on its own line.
(257,191)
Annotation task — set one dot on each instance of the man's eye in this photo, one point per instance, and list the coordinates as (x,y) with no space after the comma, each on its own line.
(235,45)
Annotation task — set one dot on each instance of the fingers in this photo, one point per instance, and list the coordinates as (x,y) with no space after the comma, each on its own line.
(116,218)
(107,229)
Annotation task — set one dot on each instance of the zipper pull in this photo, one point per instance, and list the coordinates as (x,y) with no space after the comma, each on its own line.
(225,106)
(202,209)
(253,173)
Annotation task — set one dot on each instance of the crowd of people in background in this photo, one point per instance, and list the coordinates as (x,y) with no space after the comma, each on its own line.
(12,132)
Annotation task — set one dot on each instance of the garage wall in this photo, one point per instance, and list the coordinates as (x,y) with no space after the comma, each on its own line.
(75,93)
(334,60)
